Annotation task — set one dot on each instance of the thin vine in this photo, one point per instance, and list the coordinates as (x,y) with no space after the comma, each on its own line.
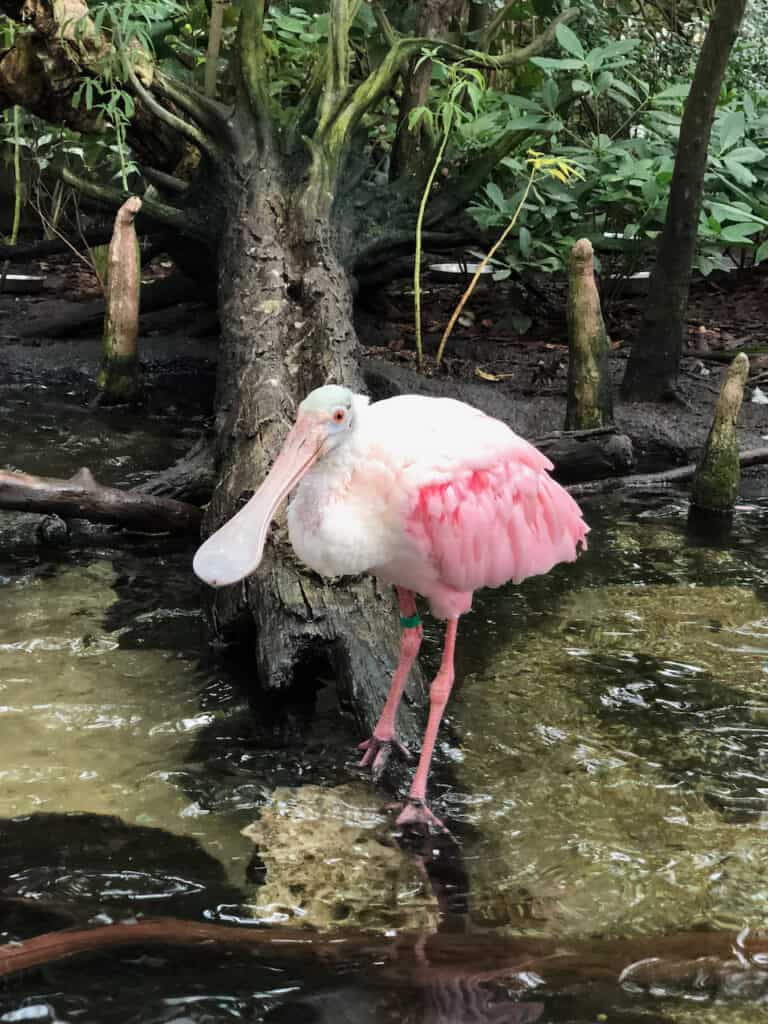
(544,166)
(462,82)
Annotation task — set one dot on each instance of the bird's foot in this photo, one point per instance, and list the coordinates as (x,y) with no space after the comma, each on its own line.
(416,815)
(377,753)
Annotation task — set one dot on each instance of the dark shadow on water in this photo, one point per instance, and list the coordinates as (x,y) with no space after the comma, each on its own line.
(76,866)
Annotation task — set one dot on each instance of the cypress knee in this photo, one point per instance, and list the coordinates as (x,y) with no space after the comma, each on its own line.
(716,482)
(590,402)
(120,378)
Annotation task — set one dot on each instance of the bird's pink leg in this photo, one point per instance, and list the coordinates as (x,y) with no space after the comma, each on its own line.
(416,811)
(379,746)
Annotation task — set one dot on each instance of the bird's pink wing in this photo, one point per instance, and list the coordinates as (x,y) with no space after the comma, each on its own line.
(505,520)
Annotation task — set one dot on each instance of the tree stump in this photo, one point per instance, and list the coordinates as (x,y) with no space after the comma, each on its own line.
(716,482)
(120,378)
(590,402)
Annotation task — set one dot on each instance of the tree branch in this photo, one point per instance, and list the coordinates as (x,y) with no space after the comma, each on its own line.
(378,83)
(336,66)
(306,109)
(165,182)
(493,26)
(383,23)
(254,73)
(207,112)
(152,208)
(178,124)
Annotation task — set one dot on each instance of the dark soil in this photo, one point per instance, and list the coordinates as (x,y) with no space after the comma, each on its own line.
(521,377)
(508,355)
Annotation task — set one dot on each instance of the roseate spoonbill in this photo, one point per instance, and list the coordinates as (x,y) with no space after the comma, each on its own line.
(428,494)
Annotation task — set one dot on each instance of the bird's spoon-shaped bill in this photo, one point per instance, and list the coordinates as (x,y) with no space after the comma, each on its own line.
(235,550)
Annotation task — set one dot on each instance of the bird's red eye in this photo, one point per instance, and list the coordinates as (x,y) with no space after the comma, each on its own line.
(338,416)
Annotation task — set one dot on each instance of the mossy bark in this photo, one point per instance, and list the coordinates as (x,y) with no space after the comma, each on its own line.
(716,483)
(120,378)
(590,401)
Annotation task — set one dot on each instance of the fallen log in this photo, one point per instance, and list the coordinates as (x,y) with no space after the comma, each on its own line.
(700,959)
(650,481)
(50,322)
(588,454)
(81,497)
(26,251)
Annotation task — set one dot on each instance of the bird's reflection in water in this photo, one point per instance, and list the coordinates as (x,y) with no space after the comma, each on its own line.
(457,1001)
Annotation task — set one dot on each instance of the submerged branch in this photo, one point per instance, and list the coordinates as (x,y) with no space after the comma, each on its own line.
(697,959)
(81,497)
(649,481)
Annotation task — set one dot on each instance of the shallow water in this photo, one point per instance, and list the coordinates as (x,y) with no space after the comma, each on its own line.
(604,767)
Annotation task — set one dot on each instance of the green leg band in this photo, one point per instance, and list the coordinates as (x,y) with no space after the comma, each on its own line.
(410,621)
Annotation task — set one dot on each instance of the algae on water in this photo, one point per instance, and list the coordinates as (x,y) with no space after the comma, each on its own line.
(586,829)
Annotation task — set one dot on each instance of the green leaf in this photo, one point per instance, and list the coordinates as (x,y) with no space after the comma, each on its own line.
(524,241)
(569,41)
(737,212)
(747,155)
(739,232)
(604,81)
(526,121)
(762,252)
(625,87)
(289,24)
(731,129)
(742,175)
(678,91)
(495,194)
(550,94)
(580,86)
(594,59)
(619,48)
(557,63)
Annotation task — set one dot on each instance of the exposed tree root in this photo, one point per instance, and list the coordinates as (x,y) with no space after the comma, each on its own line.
(700,958)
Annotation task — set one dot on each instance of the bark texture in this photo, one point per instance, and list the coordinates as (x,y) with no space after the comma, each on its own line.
(655,358)
(120,378)
(286,309)
(590,399)
(716,483)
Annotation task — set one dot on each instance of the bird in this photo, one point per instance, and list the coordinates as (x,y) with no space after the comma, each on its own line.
(428,494)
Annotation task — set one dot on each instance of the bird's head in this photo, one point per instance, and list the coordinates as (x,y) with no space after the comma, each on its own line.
(325,421)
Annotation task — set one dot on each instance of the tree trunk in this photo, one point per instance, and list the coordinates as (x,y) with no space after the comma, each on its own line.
(286,313)
(655,358)
(412,154)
